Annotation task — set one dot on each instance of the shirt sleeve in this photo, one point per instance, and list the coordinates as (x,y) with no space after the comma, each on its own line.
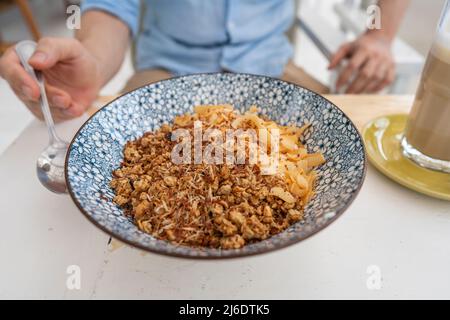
(125,10)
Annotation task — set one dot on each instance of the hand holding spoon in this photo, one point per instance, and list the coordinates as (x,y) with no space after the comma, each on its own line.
(50,164)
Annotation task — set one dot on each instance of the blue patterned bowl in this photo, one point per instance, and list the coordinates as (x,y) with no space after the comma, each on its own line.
(96,151)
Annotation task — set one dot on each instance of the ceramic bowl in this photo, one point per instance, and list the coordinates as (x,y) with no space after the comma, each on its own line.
(96,151)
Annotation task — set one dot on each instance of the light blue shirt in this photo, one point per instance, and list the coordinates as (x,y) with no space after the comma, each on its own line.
(194,36)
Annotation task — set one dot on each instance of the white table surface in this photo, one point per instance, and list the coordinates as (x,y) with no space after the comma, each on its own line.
(404,234)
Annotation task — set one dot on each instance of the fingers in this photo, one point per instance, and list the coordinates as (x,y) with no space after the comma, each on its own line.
(61,104)
(370,64)
(20,81)
(27,90)
(352,67)
(57,98)
(390,77)
(343,52)
(365,76)
(59,114)
(384,76)
(50,51)
(24,86)
(378,77)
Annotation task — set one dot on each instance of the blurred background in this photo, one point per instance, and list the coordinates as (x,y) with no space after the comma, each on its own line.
(329,22)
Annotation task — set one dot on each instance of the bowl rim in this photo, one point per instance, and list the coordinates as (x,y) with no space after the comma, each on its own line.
(232,255)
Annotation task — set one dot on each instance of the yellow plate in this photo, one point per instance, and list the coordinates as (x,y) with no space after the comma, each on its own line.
(382,139)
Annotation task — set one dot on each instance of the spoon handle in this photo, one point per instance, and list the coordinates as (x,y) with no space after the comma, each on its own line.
(25,49)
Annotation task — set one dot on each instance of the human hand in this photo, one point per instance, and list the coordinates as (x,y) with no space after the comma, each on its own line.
(70,72)
(370,64)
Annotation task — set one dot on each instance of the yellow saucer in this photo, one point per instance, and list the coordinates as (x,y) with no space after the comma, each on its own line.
(382,138)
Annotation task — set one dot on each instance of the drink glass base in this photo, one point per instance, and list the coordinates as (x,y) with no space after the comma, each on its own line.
(423,160)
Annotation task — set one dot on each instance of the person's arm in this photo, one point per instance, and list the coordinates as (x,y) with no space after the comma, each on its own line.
(370,59)
(106,38)
(392,12)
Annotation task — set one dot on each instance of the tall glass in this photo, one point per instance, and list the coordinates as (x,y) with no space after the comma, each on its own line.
(427,135)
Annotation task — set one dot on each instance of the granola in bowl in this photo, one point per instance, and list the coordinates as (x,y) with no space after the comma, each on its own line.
(216,204)
(97,150)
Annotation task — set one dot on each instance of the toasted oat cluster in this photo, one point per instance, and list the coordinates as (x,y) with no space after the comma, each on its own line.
(209,205)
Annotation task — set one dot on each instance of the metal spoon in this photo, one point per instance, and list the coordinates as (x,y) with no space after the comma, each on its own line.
(50,164)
